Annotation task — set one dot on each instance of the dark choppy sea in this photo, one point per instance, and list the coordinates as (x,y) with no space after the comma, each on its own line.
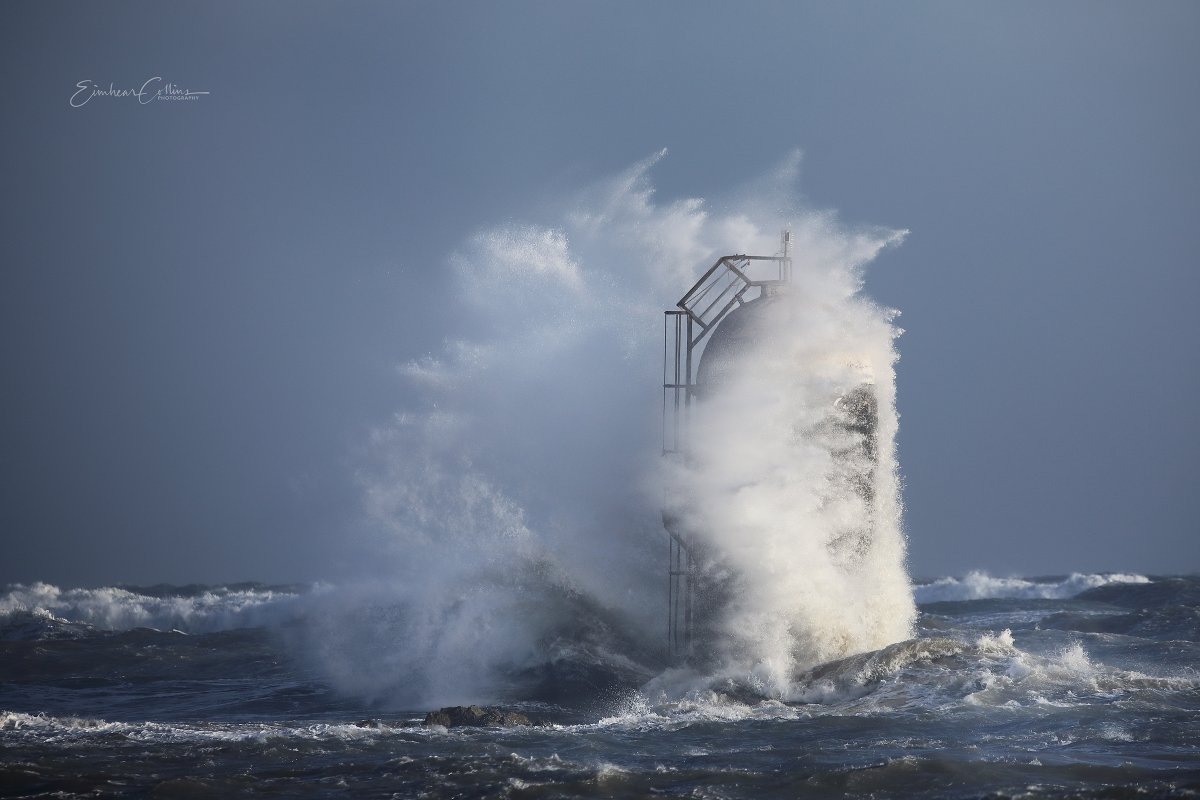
(1085,685)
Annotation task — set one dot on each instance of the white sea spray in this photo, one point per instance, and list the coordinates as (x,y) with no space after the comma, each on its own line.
(526,487)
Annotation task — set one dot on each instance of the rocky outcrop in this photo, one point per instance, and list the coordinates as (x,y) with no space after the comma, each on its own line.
(475,717)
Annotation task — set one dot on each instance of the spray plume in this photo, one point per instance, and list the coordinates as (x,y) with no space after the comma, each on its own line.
(517,506)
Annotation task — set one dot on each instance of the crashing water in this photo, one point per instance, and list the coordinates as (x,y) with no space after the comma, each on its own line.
(513,552)
(527,485)
(789,490)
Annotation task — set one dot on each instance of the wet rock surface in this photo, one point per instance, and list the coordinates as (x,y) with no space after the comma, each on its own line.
(475,717)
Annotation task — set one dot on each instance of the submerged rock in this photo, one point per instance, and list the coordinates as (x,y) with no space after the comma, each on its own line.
(475,716)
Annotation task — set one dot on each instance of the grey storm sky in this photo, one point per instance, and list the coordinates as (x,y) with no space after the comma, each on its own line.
(202,304)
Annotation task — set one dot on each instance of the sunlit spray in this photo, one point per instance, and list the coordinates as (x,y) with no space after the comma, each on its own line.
(516,503)
(784,492)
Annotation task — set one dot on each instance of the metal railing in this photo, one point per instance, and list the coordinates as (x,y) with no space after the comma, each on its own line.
(723,287)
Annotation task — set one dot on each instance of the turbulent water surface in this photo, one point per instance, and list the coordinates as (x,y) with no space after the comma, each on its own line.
(1084,684)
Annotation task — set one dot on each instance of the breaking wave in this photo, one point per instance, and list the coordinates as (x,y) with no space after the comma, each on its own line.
(194,609)
(527,482)
(981,586)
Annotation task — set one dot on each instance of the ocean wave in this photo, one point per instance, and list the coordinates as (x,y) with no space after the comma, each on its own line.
(188,609)
(1175,622)
(979,585)
(49,728)
(915,676)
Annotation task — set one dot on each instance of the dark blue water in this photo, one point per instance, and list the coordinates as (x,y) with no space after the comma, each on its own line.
(1080,686)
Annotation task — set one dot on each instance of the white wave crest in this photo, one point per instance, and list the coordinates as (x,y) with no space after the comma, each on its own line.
(978,585)
(65,730)
(114,608)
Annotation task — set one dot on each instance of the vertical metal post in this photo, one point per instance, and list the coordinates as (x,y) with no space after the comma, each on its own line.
(690,344)
(689,576)
(664,394)
(670,595)
(685,566)
(678,334)
(675,381)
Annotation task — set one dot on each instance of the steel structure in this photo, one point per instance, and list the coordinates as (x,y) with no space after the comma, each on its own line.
(728,284)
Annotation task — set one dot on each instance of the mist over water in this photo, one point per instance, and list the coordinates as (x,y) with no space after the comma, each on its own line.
(516,512)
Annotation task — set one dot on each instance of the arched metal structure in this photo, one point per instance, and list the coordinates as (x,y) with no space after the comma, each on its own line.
(719,298)
(724,317)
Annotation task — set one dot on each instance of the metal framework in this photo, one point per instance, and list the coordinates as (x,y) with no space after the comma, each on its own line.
(720,290)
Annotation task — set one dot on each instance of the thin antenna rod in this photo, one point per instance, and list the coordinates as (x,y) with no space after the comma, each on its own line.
(785,265)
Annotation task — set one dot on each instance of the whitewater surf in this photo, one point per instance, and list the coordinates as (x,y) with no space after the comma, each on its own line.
(1082,685)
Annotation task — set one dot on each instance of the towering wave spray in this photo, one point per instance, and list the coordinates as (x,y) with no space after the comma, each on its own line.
(516,508)
(788,496)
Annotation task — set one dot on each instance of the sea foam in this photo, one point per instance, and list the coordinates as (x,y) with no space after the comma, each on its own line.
(202,610)
(981,586)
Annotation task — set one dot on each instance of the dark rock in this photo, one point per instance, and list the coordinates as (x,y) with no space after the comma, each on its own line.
(475,717)
(368,723)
